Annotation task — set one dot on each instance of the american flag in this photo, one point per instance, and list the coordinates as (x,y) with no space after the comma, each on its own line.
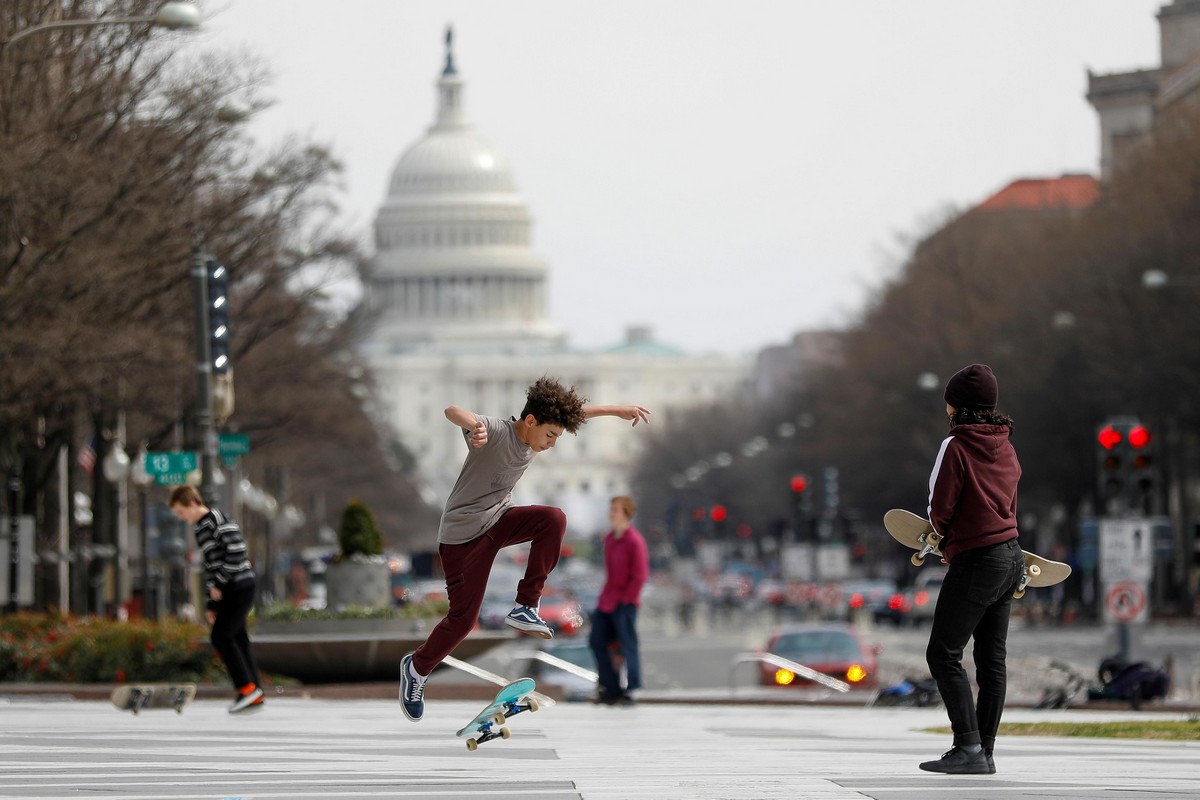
(87,456)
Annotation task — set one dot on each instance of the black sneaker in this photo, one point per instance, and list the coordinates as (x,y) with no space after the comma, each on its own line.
(957,761)
(525,618)
(991,762)
(412,690)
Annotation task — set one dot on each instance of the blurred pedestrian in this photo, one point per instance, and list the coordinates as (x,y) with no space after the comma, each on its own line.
(626,568)
(973,505)
(229,587)
(480,519)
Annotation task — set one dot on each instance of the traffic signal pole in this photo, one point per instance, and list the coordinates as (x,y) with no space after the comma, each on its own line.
(205,427)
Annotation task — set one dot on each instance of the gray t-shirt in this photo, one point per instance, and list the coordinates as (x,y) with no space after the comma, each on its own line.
(484,488)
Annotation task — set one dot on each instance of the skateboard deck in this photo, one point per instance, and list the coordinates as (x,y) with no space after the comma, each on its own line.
(489,723)
(915,531)
(153,695)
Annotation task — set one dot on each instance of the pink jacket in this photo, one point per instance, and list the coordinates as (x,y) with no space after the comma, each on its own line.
(627,566)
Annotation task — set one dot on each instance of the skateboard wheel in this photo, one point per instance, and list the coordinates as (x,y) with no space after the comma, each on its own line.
(498,720)
(917,560)
(533,706)
(472,745)
(505,733)
(1035,570)
(1018,594)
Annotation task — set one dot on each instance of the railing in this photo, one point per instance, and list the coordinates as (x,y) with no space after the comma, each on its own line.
(785,663)
(492,677)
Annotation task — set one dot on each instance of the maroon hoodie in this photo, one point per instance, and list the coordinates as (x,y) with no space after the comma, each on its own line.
(973,488)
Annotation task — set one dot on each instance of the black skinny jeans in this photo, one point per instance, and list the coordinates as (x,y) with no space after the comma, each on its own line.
(229,635)
(975,600)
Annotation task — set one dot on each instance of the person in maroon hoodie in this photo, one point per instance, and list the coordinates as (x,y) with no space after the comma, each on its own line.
(973,505)
(627,566)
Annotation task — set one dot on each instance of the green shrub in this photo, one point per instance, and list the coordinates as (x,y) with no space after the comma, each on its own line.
(49,648)
(286,612)
(358,533)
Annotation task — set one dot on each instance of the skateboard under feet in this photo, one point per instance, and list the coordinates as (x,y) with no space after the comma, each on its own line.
(489,723)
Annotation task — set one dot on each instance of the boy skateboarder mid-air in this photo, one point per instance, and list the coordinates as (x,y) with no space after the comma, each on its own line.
(480,519)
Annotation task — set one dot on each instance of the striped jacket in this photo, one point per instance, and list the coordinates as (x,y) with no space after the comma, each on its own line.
(226,559)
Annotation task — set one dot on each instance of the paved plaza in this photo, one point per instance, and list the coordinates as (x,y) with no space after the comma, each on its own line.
(332,749)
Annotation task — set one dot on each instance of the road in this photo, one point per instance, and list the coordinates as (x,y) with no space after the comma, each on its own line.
(702,658)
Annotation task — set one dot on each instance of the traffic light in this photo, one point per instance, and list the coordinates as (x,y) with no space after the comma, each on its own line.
(218,317)
(1141,469)
(1125,465)
(1113,472)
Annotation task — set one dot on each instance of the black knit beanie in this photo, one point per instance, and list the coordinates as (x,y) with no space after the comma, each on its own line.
(973,387)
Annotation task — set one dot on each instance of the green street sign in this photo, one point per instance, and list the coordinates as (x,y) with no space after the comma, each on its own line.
(170,478)
(171,464)
(233,444)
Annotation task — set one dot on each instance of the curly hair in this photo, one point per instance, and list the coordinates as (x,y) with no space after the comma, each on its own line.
(553,404)
(974,416)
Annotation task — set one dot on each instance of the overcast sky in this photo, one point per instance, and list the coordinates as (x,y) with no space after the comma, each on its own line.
(728,172)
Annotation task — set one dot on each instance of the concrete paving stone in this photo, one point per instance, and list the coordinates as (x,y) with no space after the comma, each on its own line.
(357,749)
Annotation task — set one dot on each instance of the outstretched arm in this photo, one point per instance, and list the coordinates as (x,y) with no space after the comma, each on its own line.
(469,421)
(635,413)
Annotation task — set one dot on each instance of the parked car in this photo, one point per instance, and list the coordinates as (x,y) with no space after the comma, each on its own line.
(879,598)
(923,595)
(832,648)
(561,611)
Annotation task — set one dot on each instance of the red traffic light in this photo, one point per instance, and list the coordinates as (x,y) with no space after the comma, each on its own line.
(1138,437)
(1109,437)
(799,483)
(718,513)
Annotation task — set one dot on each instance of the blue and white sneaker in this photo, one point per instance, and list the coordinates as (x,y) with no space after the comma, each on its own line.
(412,690)
(525,618)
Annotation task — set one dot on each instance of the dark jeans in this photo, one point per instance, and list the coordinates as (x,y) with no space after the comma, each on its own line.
(467,567)
(229,634)
(975,600)
(620,626)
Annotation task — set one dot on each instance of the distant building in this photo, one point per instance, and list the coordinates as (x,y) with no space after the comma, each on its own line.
(459,308)
(1128,102)
(1043,194)
(782,369)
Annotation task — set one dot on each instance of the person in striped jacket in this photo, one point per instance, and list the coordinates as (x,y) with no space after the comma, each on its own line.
(229,587)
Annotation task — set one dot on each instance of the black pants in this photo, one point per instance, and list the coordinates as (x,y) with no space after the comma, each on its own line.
(975,600)
(229,634)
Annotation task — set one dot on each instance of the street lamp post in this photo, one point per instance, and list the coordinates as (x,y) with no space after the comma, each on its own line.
(172,16)
(206,429)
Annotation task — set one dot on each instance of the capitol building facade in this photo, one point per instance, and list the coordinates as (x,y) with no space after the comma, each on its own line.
(458,302)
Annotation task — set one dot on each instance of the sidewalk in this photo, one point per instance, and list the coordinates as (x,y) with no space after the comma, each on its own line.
(333,749)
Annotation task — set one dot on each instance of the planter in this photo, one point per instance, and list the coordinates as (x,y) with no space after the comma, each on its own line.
(350,651)
(358,583)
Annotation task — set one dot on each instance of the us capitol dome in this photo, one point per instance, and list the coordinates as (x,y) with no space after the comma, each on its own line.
(454,267)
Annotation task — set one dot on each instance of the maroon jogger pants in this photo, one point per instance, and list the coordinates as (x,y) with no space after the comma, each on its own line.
(467,567)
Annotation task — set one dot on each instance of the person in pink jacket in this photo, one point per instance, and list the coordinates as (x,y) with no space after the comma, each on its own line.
(627,566)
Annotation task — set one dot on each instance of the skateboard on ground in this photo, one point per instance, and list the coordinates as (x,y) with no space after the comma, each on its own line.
(489,723)
(915,531)
(154,695)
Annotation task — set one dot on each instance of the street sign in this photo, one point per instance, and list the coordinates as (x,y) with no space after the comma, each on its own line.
(233,444)
(1126,551)
(171,469)
(1125,602)
(26,555)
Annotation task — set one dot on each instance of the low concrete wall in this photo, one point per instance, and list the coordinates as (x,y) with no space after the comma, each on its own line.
(349,651)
